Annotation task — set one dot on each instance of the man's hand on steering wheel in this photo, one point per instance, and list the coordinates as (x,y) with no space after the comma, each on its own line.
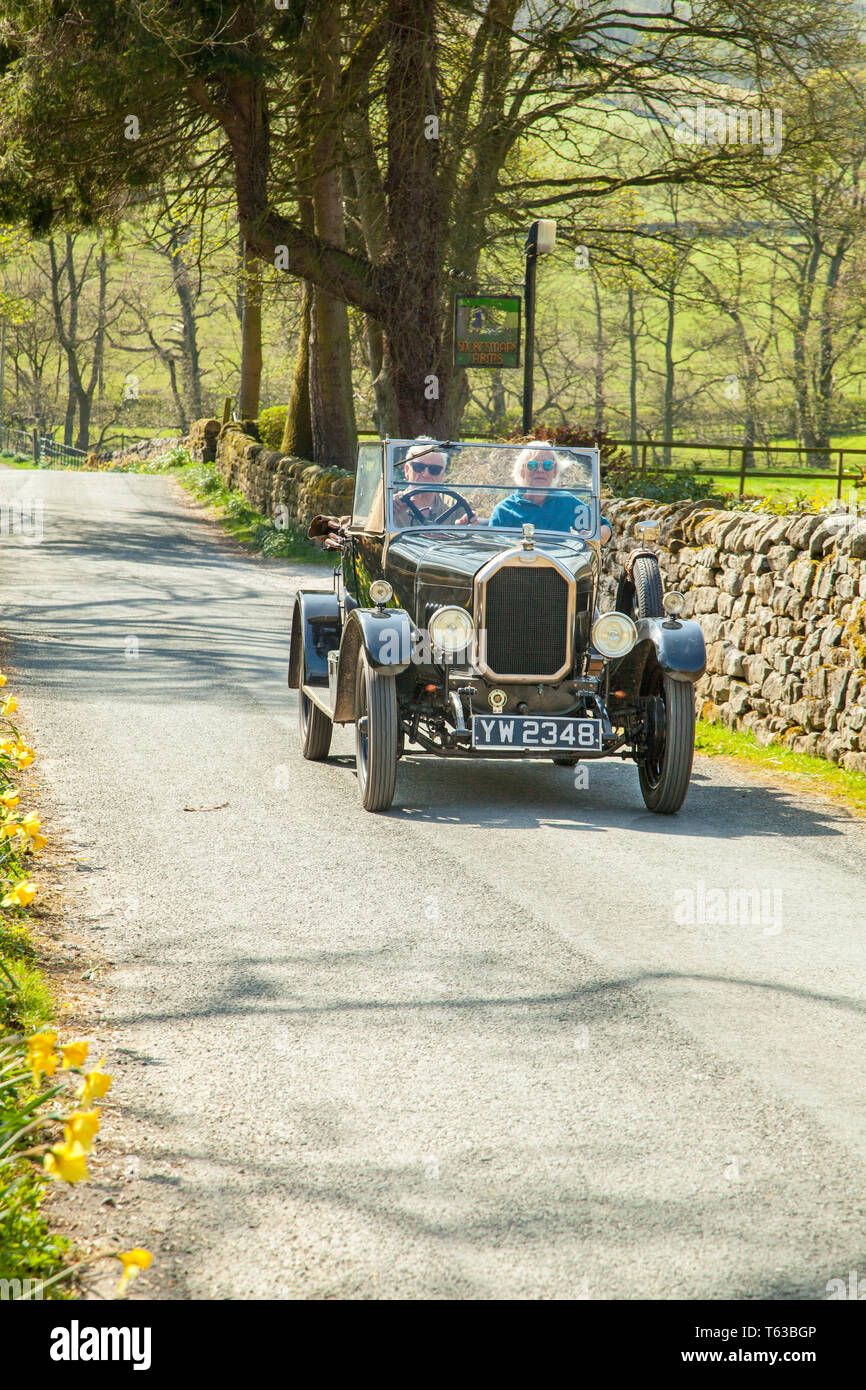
(443,518)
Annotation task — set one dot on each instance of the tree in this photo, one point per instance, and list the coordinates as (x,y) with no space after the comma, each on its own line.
(457,91)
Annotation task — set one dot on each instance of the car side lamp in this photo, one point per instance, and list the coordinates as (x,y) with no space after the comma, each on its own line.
(673,604)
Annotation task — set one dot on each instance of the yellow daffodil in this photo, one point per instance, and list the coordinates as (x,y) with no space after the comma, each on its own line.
(9,798)
(8,744)
(10,705)
(30,824)
(23,755)
(23,893)
(74,1054)
(9,828)
(35,843)
(133,1261)
(81,1128)
(3,679)
(41,1056)
(67,1161)
(94,1085)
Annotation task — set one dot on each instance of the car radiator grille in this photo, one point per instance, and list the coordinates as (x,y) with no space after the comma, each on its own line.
(526,613)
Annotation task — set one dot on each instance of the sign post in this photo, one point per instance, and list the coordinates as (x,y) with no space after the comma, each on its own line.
(540,240)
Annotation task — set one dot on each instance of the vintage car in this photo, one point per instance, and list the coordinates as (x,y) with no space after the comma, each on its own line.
(464,623)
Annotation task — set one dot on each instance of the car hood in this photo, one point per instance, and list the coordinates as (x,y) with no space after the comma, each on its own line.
(447,561)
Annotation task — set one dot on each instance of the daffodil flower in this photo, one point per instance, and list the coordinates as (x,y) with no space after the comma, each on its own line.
(23,755)
(9,828)
(94,1085)
(35,843)
(133,1261)
(30,824)
(74,1054)
(9,799)
(41,1056)
(10,705)
(81,1128)
(67,1161)
(23,893)
(3,679)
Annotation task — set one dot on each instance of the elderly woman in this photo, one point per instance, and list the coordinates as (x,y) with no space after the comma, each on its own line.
(543,504)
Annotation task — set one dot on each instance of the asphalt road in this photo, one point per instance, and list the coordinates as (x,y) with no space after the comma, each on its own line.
(507,1041)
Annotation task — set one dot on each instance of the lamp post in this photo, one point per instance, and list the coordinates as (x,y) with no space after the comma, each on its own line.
(540,239)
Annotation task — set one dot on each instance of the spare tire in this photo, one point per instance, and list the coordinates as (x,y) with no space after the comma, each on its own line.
(642,596)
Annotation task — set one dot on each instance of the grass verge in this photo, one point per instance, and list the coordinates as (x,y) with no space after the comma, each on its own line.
(811,774)
(248,526)
(29,1249)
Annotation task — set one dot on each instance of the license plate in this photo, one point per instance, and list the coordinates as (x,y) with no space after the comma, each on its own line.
(523,731)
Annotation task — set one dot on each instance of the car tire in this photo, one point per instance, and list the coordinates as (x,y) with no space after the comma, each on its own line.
(315,729)
(376,734)
(665,777)
(642,596)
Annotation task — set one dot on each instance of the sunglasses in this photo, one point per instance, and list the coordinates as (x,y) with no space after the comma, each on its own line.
(547,465)
(434,469)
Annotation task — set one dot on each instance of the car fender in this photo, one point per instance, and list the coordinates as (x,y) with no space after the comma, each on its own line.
(315,632)
(679,647)
(679,650)
(386,637)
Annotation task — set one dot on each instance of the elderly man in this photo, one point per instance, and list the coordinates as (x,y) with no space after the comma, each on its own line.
(542,504)
(423,465)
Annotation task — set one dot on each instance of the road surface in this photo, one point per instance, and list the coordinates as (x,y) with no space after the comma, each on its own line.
(515,1039)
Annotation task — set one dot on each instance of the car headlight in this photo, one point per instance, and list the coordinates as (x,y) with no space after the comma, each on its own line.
(380,591)
(614,634)
(451,629)
(674,602)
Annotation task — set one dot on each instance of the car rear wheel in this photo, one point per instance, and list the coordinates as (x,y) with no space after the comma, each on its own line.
(642,596)
(665,773)
(314,726)
(376,734)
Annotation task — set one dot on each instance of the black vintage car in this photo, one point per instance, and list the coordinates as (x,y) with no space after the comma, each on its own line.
(464,623)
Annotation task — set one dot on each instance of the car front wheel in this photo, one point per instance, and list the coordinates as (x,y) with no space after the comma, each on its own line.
(314,727)
(376,734)
(666,771)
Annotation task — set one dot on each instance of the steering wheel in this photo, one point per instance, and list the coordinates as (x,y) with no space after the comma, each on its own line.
(449,511)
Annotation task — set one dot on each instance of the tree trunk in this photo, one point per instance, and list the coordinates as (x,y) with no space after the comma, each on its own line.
(187,297)
(802,392)
(85,406)
(632,377)
(298,431)
(387,420)
(412,300)
(251,339)
(335,437)
(670,372)
(826,351)
(600,402)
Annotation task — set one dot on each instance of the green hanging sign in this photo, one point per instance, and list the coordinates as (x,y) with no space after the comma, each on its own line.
(487,330)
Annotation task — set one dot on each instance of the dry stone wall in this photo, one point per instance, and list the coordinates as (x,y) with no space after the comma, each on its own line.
(270,480)
(782,603)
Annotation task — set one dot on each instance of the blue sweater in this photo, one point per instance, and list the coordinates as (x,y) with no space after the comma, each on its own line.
(557,513)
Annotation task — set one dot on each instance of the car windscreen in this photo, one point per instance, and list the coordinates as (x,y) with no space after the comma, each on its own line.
(502,486)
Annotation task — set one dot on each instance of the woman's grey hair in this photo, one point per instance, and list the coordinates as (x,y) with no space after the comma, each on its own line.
(535,446)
